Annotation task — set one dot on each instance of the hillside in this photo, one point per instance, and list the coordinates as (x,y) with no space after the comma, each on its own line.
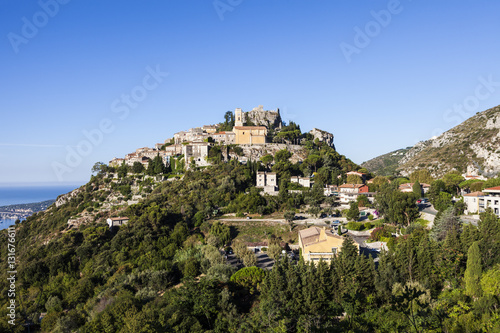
(385,165)
(472,147)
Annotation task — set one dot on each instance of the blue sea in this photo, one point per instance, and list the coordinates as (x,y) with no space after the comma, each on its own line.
(10,195)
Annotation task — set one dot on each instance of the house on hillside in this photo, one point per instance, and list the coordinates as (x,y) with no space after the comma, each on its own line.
(303,181)
(471,201)
(319,244)
(268,181)
(330,190)
(491,199)
(408,187)
(350,192)
(117,221)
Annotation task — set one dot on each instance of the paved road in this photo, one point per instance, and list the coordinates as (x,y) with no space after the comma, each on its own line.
(427,208)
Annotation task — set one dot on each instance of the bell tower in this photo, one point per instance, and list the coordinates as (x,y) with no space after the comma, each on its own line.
(238,117)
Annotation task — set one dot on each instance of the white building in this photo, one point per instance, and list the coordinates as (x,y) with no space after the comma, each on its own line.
(117,221)
(197,151)
(350,192)
(471,201)
(303,181)
(491,199)
(268,181)
(478,202)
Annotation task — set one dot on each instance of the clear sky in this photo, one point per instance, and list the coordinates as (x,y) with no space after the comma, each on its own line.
(379,75)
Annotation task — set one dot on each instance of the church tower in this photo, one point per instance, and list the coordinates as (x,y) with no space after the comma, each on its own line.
(238,117)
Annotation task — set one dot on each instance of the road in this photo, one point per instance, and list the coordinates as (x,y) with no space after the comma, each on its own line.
(427,208)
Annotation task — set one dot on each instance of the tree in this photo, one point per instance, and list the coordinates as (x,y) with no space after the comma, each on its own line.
(402,208)
(99,167)
(249,277)
(363,201)
(137,167)
(274,251)
(122,170)
(446,223)
(417,190)
(442,201)
(353,212)
(413,301)
(489,231)
(421,176)
(354,179)
(221,231)
(452,181)
(490,282)
(282,155)
(267,160)
(249,259)
(289,217)
(472,276)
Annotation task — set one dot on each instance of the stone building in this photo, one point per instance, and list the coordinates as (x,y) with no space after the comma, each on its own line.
(197,151)
(248,135)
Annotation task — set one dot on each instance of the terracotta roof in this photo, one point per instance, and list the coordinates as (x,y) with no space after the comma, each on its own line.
(474,194)
(314,231)
(496,188)
(351,185)
(119,218)
(355,173)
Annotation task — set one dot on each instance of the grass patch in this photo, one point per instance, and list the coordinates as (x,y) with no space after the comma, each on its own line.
(260,231)
(422,222)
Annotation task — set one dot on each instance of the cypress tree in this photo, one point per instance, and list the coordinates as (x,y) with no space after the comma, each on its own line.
(472,276)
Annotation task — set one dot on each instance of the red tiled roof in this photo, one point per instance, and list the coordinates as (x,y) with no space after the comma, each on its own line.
(474,194)
(352,185)
(496,188)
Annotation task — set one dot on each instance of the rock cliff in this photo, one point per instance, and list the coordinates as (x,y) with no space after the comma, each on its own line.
(260,117)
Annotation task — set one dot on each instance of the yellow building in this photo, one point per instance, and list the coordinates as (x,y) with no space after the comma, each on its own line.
(250,134)
(319,243)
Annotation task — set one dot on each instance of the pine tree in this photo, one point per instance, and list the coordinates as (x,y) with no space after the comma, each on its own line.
(489,230)
(417,190)
(472,276)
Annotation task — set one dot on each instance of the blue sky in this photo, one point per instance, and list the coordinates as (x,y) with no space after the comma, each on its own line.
(406,81)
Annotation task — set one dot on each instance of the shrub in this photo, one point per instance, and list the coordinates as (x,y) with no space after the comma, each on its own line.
(356,226)
(379,233)
(370,217)
(368,225)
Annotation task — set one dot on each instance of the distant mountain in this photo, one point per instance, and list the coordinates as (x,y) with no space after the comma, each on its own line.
(385,165)
(471,147)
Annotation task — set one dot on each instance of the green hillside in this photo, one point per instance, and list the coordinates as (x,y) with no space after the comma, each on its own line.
(387,164)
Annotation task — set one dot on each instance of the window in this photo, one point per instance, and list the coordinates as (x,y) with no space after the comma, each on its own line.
(334,250)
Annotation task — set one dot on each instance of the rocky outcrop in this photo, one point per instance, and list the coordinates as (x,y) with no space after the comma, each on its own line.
(64,198)
(472,147)
(323,136)
(255,152)
(260,117)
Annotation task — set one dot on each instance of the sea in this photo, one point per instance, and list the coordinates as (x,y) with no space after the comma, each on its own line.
(11,195)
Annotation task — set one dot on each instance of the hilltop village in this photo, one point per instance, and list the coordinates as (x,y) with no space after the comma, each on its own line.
(222,225)
(255,132)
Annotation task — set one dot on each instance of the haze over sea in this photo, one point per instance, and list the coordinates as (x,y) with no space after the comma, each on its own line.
(19,194)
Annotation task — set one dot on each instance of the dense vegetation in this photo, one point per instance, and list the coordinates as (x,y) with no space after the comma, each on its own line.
(164,271)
